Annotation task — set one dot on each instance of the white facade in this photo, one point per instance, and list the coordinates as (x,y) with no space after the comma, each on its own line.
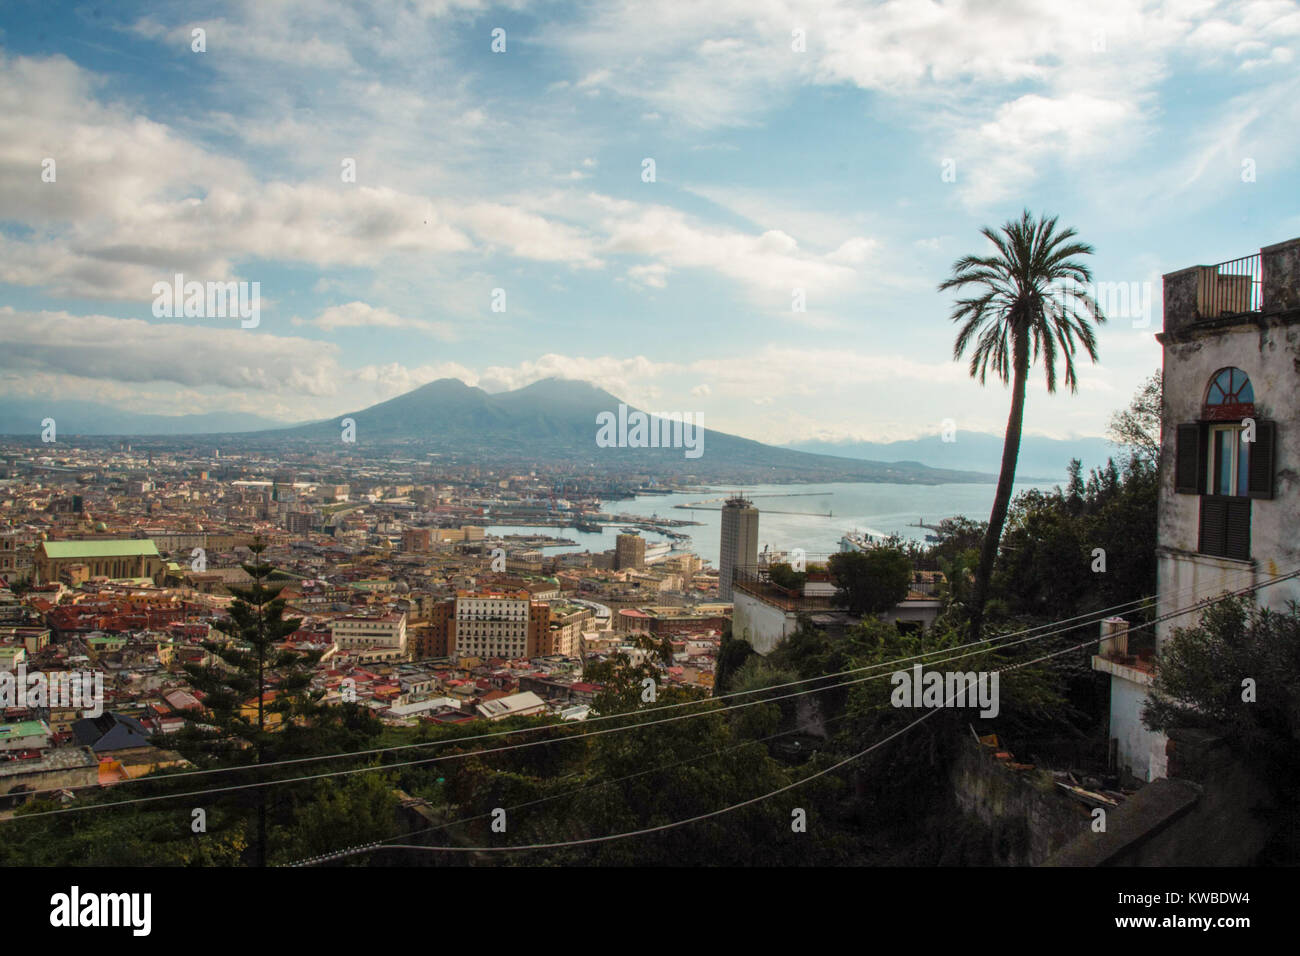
(763,625)
(359,633)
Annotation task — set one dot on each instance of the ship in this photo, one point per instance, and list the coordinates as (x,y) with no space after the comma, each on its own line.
(655,550)
(862,540)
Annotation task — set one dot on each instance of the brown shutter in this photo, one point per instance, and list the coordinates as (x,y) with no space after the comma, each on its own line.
(1237,529)
(1260,479)
(1214,521)
(1188,458)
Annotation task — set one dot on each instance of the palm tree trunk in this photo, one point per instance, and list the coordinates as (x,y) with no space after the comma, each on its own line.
(1006,478)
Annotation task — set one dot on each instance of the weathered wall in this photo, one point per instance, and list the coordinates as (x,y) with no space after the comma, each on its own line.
(761,624)
(1028,814)
(1266,346)
(58,769)
(1140,754)
(1270,354)
(1204,814)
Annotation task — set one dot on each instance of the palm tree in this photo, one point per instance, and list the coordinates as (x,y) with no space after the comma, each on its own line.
(1030,302)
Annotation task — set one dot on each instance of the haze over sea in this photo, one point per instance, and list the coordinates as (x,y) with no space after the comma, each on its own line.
(854,506)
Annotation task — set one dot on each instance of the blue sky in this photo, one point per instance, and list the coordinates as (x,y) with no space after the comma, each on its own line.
(776,168)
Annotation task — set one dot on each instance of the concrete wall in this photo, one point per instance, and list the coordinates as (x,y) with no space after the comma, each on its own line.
(1270,355)
(1027,813)
(1140,754)
(916,612)
(761,624)
(67,767)
(1204,814)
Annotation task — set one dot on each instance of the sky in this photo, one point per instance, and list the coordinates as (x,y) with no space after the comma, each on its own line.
(415,204)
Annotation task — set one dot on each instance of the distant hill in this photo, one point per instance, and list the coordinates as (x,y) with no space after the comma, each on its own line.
(1044,458)
(24,416)
(555,420)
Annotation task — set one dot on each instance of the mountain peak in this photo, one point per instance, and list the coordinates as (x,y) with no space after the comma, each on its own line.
(447,386)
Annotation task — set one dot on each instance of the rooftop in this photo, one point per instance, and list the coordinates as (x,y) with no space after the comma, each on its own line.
(121,547)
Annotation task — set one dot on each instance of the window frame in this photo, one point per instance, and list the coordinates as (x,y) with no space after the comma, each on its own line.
(1238,483)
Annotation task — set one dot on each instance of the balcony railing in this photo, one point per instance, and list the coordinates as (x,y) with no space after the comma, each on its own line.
(1230,288)
(755,581)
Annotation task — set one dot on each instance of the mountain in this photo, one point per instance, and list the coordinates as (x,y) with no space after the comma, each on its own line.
(555,421)
(1042,458)
(20,416)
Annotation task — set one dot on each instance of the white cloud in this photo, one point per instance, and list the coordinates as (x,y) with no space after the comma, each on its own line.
(364,315)
(192,353)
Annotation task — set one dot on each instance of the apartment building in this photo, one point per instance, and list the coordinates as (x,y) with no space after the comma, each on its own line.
(384,633)
(497,624)
(739,545)
(629,552)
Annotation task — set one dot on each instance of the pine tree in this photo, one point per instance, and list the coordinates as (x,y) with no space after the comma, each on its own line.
(258,705)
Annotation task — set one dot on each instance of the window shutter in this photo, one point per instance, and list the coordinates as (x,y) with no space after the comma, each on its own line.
(1237,533)
(1225,527)
(1260,479)
(1188,458)
(1214,522)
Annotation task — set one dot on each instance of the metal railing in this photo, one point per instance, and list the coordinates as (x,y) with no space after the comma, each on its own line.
(755,580)
(1230,288)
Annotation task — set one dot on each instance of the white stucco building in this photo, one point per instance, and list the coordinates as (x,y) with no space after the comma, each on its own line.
(356,632)
(1229,498)
(765,615)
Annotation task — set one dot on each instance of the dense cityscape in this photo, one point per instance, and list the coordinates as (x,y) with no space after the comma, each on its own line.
(524,439)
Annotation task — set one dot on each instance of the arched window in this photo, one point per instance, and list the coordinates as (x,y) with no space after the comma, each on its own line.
(1229,396)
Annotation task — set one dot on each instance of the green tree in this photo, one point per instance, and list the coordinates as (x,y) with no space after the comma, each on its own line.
(623,676)
(1137,427)
(1201,679)
(258,705)
(1028,303)
(873,581)
(782,575)
(1237,672)
(1074,486)
(732,654)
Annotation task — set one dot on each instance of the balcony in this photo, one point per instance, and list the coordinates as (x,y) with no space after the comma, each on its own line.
(1234,287)
(1264,284)
(758,585)
(924,586)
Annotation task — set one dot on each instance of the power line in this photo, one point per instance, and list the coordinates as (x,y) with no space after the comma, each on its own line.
(982,648)
(1148,600)
(714,813)
(576,790)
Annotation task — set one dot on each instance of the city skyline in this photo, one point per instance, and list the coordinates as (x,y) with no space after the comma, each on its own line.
(381,175)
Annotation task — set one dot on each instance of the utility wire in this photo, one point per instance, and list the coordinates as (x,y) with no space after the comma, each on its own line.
(368,848)
(380,767)
(986,643)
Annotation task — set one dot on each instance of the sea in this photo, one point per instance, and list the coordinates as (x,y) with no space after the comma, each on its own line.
(811,517)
